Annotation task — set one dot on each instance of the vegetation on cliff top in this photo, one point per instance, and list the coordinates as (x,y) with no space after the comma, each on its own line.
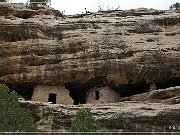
(33,2)
(175,6)
(6,0)
(36,2)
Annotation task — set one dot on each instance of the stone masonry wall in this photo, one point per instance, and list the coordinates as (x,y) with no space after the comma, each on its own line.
(41,93)
(106,95)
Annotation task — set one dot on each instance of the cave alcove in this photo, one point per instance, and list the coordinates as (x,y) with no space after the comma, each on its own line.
(131,89)
(78,91)
(24,90)
(172,82)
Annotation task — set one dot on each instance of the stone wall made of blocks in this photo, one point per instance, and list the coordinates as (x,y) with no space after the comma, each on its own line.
(106,95)
(41,93)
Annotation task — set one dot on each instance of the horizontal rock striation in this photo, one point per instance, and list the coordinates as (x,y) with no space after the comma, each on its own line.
(124,51)
(167,96)
(124,47)
(120,117)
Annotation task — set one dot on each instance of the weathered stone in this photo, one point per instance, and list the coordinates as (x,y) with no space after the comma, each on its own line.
(125,116)
(102,95)
(20,10)
(59,94)
(42,48)
(168,96)
(48,49)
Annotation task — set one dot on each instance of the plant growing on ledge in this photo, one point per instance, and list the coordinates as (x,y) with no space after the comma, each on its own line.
(84,122)
(38,2)
(13,118)
(6,0)
(175,6)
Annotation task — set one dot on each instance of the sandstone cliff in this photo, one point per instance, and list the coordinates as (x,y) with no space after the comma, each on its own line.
(41,46)
(126,51)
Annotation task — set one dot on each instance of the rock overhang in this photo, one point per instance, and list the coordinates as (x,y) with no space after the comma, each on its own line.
(122,46)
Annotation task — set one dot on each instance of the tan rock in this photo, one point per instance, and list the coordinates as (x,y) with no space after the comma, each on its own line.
(119,45)
(125,116)
(167,96)
(53,94)
(102,95)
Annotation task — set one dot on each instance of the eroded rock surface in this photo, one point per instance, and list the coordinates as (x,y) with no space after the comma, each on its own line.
(53,94)
(126,51)
(124,47)
(168,96)
(125,116)
(102,95)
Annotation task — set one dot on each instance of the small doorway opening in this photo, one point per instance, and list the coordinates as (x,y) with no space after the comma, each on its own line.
(52,98)
(97,95)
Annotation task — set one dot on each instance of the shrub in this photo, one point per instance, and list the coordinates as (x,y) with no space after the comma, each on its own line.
(13,118)
(84,122)
(175,6)
(5,0)
(36,2)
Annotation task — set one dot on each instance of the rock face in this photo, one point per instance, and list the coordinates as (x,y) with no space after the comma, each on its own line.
(156,111)
(122,47)
(128,52)
(168,96)
(125,116)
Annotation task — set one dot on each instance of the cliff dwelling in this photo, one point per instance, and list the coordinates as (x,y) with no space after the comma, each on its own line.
(102,95)
(47,52)
(93,58)
(52,94)
(95,92)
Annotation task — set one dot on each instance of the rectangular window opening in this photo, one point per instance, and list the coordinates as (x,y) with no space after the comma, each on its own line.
(97,95)
(52,98)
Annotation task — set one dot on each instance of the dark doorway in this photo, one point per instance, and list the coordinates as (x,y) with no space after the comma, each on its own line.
(97,95)
(52,98)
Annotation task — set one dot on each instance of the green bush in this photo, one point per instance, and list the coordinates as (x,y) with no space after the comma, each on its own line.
(5,0)
(84,122)
(41,2)
(13,118)
(175,6)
